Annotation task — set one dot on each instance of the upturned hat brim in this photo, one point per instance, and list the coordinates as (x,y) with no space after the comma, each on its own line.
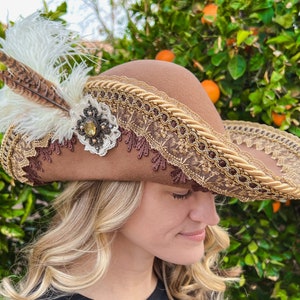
(170,133)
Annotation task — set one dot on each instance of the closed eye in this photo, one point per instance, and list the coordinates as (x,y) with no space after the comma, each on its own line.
(182,196)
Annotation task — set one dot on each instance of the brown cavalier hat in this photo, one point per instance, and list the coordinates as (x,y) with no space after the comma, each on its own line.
(142,120)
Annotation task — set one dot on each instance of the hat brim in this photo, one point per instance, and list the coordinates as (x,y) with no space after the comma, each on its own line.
(172,134)
(214,160)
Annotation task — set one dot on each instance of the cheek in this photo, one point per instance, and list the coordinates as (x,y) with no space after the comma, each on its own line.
(149,227)
(156,234)
(151,220)
(146,224)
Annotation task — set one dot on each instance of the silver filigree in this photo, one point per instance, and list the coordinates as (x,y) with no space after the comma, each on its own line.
(95,126)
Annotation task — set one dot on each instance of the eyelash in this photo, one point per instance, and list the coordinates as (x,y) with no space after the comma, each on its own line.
(180,196)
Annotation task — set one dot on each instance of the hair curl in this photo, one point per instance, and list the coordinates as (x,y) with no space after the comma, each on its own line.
(101,208)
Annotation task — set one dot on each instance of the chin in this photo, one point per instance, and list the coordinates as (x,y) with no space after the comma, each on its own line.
(186,257)
(189,261)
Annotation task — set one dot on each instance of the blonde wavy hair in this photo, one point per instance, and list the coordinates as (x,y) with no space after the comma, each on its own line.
(87,215)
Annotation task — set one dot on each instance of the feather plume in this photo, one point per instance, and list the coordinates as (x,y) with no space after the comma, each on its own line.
(37,94)
(26,82)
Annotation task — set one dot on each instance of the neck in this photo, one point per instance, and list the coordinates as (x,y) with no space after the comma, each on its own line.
(130,275)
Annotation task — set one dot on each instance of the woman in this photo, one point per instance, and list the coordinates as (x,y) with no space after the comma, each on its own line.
(116,256)
(145,151)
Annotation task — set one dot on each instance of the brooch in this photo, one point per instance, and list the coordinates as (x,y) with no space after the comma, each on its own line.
(95,126)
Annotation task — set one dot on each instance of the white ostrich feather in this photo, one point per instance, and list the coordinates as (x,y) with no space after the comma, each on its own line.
(41,44)
(44,46)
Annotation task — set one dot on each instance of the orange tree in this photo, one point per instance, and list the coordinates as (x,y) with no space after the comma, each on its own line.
(251,50)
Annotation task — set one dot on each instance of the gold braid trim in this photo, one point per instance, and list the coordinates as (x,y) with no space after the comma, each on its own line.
(187,141)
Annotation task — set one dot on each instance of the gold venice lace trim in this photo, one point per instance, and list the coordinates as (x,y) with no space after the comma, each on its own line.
(282,146)
(22,159)
(186,141)
(16,152)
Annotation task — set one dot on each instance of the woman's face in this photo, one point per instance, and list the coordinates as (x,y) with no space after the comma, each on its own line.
(170,224)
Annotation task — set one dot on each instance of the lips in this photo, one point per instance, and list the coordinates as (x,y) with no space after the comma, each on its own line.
(197,236)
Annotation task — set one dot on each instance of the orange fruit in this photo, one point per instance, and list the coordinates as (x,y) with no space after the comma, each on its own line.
(166,55)
(209,13)
(276,206)
(277,118)
(212,89)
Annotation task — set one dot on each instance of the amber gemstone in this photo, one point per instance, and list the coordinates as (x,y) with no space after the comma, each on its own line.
(90,128)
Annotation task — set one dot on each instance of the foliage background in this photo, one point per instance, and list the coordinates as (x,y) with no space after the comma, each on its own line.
(252,52)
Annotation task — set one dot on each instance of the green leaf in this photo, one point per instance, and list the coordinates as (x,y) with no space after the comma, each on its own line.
(295,130)
(250,40)
(233,245)
(28,208)
(23,196)
(2,67)
(217,59)
(273,233)
(276,262)
(237,66)
(280,39)
(256,96)
(265,15)
(268,98)
(250,259)
(275,77)
(59,12)
(3,244)
(262,205)
(11,213)
(47,192)
(242,36)
(242,229)
(252,247)
(295,58)
(12,230)
(256,109)
(285,21)
(264,244)
(2,185)
(225,88)
(279,293)
(261,5)
(5,177)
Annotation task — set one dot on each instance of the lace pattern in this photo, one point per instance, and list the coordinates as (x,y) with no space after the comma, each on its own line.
(186,141)
(284,148)
(175,135)
(16,153)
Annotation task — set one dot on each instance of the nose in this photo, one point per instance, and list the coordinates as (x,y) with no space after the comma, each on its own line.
(203,208)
